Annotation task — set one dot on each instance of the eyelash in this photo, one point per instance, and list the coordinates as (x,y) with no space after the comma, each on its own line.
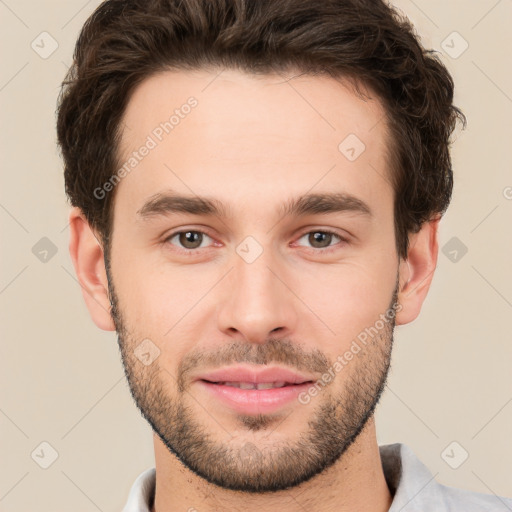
(192,252)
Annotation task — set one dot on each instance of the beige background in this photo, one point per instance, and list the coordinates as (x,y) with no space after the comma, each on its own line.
(61,378)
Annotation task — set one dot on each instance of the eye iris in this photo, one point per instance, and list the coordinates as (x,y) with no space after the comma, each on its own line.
(319,236)
(188,237)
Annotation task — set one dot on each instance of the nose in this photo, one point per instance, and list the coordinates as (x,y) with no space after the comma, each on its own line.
(258,300)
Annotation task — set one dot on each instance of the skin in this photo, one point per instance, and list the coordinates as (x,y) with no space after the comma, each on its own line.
(253,143)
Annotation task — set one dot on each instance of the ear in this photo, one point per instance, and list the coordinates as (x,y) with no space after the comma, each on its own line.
(417,271)
(87,256)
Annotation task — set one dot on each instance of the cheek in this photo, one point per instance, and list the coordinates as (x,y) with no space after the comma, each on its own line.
(163,304)
(152,294)
(348,297)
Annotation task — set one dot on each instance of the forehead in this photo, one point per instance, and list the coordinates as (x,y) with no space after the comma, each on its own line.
(269,134)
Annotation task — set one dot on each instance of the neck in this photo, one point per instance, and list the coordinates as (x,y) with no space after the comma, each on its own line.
(355,482)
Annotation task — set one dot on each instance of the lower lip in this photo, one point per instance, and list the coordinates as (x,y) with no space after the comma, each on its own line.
(255,401)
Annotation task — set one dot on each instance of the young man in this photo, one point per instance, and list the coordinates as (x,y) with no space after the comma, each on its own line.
(256,190)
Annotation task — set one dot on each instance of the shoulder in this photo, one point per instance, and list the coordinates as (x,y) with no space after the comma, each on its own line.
(416,490)
(462,500)
(142,492)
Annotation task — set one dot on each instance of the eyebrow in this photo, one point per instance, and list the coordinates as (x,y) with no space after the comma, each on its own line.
(165,203)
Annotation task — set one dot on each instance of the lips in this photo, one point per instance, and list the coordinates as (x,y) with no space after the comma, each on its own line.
(252,390)
(255,377)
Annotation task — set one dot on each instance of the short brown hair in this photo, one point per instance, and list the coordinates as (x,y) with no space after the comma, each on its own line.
(365,41)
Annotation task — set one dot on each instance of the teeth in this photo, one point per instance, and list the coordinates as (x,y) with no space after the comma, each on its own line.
(246,385)
(241,385)
(270,385)
(252,385)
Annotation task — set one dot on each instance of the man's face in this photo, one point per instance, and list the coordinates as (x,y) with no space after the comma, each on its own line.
(251,287)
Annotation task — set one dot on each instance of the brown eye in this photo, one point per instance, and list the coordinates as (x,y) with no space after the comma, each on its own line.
(188,240)
(321,239)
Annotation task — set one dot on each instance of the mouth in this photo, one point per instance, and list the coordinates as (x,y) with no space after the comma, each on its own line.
(253,389)
(245,376)
(253,398)
(257,385)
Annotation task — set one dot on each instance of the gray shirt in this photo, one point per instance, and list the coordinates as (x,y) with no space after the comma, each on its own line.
(411,483)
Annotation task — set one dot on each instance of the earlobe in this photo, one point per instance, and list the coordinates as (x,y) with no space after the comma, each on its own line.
(87,256)
(416,273)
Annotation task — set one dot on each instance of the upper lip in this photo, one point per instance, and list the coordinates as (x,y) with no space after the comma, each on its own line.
(255,375)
